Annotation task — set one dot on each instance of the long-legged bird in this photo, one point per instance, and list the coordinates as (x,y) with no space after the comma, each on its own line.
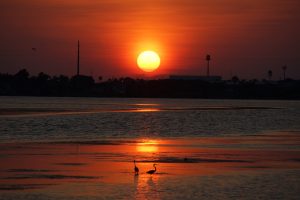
(136,169)
(153,170)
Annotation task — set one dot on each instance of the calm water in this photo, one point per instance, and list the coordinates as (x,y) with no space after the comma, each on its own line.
(217,167)
(53,119)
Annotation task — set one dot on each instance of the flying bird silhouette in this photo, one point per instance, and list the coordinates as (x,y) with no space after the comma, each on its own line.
(153,170)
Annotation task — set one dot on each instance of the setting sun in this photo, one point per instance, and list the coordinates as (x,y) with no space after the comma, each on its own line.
(148,61)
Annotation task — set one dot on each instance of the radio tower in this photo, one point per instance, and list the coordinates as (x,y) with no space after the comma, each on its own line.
(208,59)
(78,59)
(284,71)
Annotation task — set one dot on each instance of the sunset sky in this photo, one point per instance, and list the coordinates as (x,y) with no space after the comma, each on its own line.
(244,37)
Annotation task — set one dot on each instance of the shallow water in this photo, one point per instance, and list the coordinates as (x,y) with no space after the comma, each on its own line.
(83,148)
(54,119)
(267,167)
(263,185)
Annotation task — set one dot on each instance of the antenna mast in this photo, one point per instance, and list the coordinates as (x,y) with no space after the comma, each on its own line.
(78,59)
(207,59)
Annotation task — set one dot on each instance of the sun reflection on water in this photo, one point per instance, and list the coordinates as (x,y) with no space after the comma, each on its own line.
(148,110)
(150,146)
(146,187)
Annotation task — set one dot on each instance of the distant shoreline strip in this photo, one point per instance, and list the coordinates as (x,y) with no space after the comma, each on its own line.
(33,111)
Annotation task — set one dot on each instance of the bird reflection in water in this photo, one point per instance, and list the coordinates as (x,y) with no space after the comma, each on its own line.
(146,187)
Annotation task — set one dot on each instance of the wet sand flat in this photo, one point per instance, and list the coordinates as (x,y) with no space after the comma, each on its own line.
(261,166)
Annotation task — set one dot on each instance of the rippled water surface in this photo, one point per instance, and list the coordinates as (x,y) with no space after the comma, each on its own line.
(35,118)
(83,148)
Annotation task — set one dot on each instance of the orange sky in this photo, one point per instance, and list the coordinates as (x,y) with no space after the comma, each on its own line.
(245,38)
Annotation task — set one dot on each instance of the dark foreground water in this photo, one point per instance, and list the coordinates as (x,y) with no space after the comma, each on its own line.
(236,167)
(217,187)
(44,119)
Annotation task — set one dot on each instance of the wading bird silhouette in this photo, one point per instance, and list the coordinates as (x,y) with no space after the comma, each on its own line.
(136,169)
(153,170)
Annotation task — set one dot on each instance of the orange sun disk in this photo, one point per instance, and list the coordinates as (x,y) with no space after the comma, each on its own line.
(148,61)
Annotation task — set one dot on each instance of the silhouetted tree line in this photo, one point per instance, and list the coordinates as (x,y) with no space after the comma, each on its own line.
(44,85)
(22,84)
